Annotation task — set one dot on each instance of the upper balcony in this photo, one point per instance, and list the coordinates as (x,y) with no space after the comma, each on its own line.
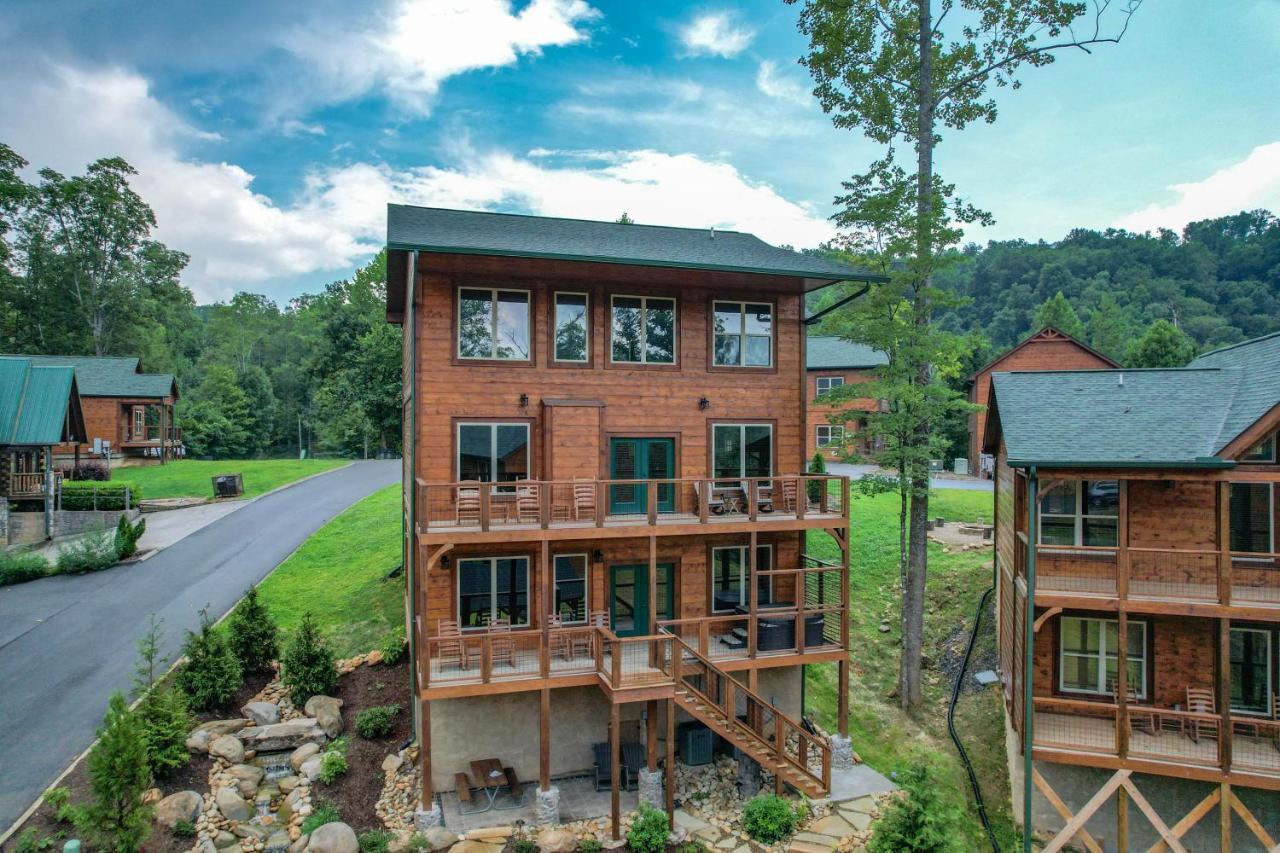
(593,509)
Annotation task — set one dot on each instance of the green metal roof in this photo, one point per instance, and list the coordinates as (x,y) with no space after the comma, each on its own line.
(34,402)
(433,229)
(110,376)
(1258,361)
(829,352)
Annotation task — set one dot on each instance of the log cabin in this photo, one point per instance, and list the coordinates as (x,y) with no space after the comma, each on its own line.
(605,506)
(1136,520)
(832,362)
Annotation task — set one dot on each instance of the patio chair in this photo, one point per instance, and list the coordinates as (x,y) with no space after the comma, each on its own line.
(501,644)
(788,495)
(1142,718)
(528,509)
(632,760)
(715,502)
(584,499)
(467,504)
(1200,701)
(604,767)
(451,648)
(559,642)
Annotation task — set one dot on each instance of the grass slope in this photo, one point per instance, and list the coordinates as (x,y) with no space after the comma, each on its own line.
(883,736)
(340,575)
(193,478)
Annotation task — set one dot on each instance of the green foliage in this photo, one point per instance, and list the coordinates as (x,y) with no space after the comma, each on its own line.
(817,465)
(21,566)
(524,845)
(375,841)
(326,812)
(91,494)
(252,633)
(184,829)
(59,799)
(376,722)
(1056,312)
(163,710)
(1163,345)
(211,675)
(590,845)
(91,552)
(30,841)
(768,818)
(115,818)
(392,647)
(333,763)
(649,831)
(215,416)
(692,847)
(307,667)
(925,819)
(127,536)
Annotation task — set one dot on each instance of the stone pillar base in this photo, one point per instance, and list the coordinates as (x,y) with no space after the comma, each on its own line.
(651,788)
(748,777)
(546,807)
(841,753)
(428,818)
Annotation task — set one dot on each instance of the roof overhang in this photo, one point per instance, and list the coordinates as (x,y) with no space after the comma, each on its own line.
(1201,463)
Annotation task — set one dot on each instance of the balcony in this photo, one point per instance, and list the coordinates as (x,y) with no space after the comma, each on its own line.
(31,485)
(151,433)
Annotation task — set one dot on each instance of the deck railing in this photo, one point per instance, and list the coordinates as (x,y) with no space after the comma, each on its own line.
(31,483)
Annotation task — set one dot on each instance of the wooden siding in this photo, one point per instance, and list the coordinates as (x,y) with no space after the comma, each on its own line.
(816,413)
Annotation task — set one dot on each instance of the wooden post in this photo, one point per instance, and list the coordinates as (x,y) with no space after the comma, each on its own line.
(652,627)
(164,433)
(802,497)
(753,498)
(651,501)
(1122,685)
(844,497)
(704,499)
(651,735)
(484,506)
(779,748)
(1122,540)
(671,741)
(602,499)
(1224,543)
(842,708)
(424,752)
(1224,817)
(1222,685)
(544,740)
(545,598)
(754,592)
(615,812)
(544,505)
(1122,820)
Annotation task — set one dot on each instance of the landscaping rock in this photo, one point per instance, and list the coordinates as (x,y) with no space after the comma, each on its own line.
(286,784)
(184,805)
(489,833)
(333,838)
(280,736)
(832,825)
(151,795)
(327,711)
(300,844)
(311,768)
(470,846)
(248,777)
(438,838)
(203,734)
(228,747)
(557,841)
(205,846)
(301,754)
(262,713)
(279,841)
(391,763)
(232,805)
(224,839)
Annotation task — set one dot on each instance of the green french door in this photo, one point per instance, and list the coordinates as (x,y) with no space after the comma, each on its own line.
(641,459)
(629,604)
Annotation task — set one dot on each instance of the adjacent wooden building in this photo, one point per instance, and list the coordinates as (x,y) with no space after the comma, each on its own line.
(605,506)
(1136,521)
(832,362)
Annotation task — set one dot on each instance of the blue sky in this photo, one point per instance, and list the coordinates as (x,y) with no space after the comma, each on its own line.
(270,135)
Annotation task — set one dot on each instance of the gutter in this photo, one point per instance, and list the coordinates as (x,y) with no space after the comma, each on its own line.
(809,321)
(1203,462)
(1028,656)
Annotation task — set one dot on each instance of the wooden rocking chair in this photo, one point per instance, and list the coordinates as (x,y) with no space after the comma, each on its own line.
(559,642)
(452,648)
(1200,701)
(789,495)
(1142,718)
(468,503)
(584,499)
(501,645)
(528,509)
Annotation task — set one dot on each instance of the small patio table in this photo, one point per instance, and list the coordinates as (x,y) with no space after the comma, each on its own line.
(489,776)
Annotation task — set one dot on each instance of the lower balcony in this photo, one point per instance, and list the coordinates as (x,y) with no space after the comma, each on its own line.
(31,485)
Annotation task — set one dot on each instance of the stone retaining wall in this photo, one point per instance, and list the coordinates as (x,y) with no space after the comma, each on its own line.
(70,522)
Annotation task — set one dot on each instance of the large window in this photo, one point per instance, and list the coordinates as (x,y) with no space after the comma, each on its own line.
(1252,518)
(493,324)
(643,330)
(830,434)
(493,453)
(570,582)
(827,383)
(1087,656)
(1251,670)
(1081,512)
(742,450)
(491,588)
(573,337)
(1264,452)
(743,334)
(729,570)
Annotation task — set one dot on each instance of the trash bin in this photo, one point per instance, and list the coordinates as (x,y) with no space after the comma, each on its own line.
(228,486)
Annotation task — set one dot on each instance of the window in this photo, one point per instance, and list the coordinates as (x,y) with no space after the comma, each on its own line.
(830,434)
(1087,656)
(826,383)
(1251,670)
(571,572)
(1264,452)
(729,570)
(743,334)
(1081,512)
(493,324)
(491,588)
(493,453)
(1252,518)
(644,330)
(742,450)
(573,338)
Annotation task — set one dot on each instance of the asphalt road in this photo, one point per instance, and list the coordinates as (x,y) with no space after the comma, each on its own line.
(67,642)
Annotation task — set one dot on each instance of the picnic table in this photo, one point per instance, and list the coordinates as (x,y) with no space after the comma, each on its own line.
(491,778)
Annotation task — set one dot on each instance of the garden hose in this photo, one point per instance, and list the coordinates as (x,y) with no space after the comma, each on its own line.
(951,722)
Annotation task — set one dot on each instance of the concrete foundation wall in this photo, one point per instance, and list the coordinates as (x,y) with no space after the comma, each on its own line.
(26,528)
(69,523)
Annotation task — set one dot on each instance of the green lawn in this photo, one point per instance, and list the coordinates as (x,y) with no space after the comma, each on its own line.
(193,478)
(340,575)
(884,736)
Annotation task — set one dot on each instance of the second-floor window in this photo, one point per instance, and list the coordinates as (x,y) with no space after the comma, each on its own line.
(743,334)
(493,324)
(827,383)
(573,336)
(1087,655)
(741,450)
(729,570)
(1081,512)
(830,434)
(571,572)
(1251,670)
(1252,518)
(493,453)
(491,589)
(643,330)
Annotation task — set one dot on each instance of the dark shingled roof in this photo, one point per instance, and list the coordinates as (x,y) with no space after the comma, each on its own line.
(828,352)
(36,403)
(1259,361)
(110,376)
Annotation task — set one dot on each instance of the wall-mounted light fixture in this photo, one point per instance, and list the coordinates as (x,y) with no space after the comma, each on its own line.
(704,404)
(444,561)
(524,400)
(597,555)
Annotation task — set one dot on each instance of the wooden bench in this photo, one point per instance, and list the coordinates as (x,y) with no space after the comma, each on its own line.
(464,787)
(514,785)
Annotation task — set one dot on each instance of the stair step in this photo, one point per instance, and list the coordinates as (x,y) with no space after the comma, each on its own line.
(807,847)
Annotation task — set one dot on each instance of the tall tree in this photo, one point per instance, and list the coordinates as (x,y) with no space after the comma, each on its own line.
(1108,328)
(888,69)
(1056,312)
(1164,345)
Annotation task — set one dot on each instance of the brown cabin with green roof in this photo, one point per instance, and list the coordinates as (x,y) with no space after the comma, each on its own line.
(833,427)
(1137,519)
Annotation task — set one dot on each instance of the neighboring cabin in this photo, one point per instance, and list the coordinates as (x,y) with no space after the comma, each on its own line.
(832,362)
(1138,510)
(605,434)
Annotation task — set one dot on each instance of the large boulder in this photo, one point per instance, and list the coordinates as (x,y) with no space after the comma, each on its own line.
(311,767)
(279,736)
(327,711)
(232,805)
(438,838)
(202,735)
(262,713)
(557,841)
(184,805)
(228,747)
(301,754)
(333,838)
(248,777)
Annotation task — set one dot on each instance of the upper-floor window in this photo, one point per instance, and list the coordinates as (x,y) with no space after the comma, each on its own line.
(493,324)
(643,330)
(826,383)
(1264,452)
(1252,518)
(742,450)
(743,334)
(830,434)
(573,336)
(493,589)
(1251,670)
(571,574)
(1081,512)
(493,452)
(729,571)
(1087,653)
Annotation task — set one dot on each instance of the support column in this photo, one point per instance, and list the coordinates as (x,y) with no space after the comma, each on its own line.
(546,809)
(428,813)
(1122,820)
(1224,817)
(753,592)
(544,598)
(1122,687)
(1222,686)
(650,777)
(652,627)
(842,700)
(615,759)
(671,756)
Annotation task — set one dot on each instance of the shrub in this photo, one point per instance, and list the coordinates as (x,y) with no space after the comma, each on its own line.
(118,776)
(649,831)
(590,845)
(253,634)
(377,721)
(31,842)
(127,536)
(81,496)
(307,665)
(924,820)
(375,841)
(326,812)
(212,674)
(22,566)
(692,847)
(87,471)
(817,465)
(92,552)
(392,648)
(166,722)
(524,845)
(59,799)
(184,829)
(768,818)
(332,765)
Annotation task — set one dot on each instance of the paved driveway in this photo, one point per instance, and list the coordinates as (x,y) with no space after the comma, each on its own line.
(67,642)
(970,484)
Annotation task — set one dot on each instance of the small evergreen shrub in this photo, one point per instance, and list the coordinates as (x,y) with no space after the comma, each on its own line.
(375,841)
(116,819)
(376,722)
(184,829)
(692,847)
(166,722)
(253,634)
(307,667)
(590,845)
(59,799)
(926,819)
(127,536)
(21,566)
(768,818)
(31,842)
(649,831)
(392,648)
(817,465)
(524,845)
(92,552)
(82,496)
(326,812)
(332,765)
(212,674)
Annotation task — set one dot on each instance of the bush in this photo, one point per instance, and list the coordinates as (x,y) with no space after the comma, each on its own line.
(590,845)
(768,818)
(212,674)
(88,471)
(649,831)
(924,820)
(92,552)
(692,847)
(59,799)
(817,465)
(81,496)
(21,566)
(326,812)
(184,829)
(31,842)
(254,636)
(392,648)
(332,765)
(307,665)
(376,722)
(375,841)
(166,722)
(118,775)
(127,536)
(524,845)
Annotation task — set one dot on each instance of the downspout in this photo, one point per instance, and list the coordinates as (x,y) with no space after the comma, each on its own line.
(1028,646)
(409,327)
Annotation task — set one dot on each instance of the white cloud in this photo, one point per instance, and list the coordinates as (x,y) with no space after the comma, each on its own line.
(781,86)
(411,51)
(294,127)
(715,34)
(1249,184)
